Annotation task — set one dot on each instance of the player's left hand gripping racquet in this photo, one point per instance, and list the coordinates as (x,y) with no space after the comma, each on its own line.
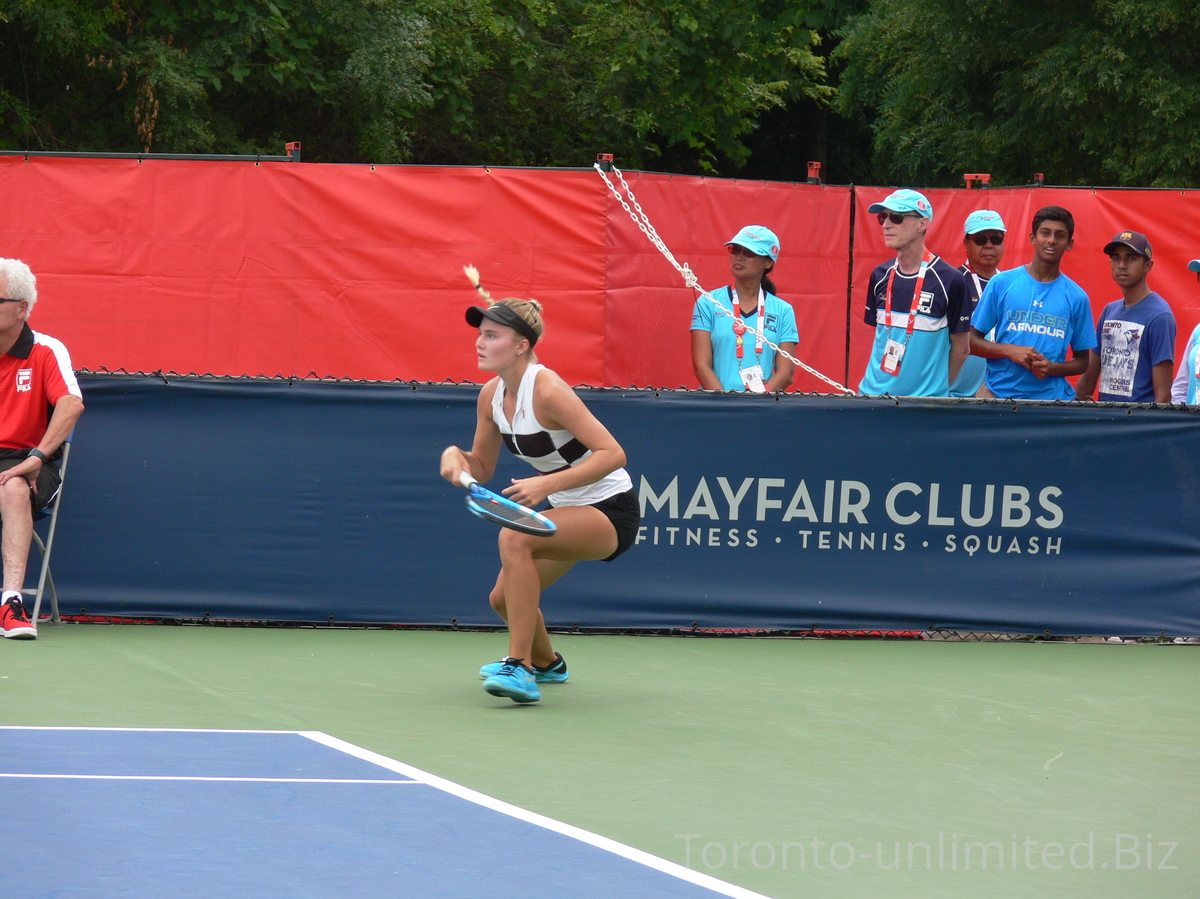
(503,511)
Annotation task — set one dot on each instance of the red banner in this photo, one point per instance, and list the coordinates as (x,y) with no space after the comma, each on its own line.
(296,269)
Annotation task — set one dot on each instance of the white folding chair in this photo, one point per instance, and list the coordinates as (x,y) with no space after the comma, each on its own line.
(45,582)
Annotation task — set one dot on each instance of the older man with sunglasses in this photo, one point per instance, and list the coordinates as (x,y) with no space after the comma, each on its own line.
(983,241)
(915,303)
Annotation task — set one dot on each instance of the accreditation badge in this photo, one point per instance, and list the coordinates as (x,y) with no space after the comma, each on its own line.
(752,377)
(893,353)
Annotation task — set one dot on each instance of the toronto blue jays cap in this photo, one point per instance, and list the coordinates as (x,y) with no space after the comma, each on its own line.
(983,220)
(1132,239)
(904,200)
(757,239)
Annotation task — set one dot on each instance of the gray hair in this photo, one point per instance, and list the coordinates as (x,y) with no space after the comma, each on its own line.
(22,285)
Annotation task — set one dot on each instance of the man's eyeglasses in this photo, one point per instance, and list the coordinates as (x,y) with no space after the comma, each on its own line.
(10,300)
(897,218)
(982,240)
(735,250)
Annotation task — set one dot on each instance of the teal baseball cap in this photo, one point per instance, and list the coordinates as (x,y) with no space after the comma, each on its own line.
(1194,265)
(757,239)
(904,200)
(983,220)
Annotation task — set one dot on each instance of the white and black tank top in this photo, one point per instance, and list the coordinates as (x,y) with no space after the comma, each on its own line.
(550,450)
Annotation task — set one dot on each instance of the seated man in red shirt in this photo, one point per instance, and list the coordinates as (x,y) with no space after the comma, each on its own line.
(39,405)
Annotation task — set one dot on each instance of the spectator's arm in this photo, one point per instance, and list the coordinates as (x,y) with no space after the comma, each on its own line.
(1179,386)
(960,349)
(1076,365)
(1085,387)
(702,360)
(1024,356)
(785,370)
(1160,376)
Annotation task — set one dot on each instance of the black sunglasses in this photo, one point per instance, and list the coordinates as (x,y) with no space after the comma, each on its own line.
(981,240)
(10,300)
(896,218)
(735,250)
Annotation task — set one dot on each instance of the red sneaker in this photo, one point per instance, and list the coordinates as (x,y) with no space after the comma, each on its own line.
(15,621)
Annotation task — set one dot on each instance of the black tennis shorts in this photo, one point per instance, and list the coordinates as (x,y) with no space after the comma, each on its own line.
(48,480)
(625,512)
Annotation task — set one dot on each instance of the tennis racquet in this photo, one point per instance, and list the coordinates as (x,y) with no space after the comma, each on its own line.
(503,511)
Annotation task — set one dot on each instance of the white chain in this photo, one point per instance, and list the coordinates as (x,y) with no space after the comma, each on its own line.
(646,227)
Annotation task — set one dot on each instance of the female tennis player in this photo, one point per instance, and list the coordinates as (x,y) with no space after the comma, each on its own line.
(532,410)
(729,351)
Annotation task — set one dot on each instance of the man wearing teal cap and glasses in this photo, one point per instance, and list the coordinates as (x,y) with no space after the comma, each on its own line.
(915,304)
(983,242)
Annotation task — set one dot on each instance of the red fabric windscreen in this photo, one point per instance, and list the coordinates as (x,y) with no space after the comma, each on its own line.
(282,268)
(276,268)
(650,306)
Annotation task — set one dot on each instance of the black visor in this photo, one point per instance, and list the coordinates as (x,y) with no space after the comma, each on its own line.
(502,315)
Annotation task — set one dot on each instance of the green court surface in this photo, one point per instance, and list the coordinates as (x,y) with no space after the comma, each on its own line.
(802,768)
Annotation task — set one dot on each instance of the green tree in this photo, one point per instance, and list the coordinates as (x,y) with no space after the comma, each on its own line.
(209,76)
(529,82)
(1101,92)
(520,82)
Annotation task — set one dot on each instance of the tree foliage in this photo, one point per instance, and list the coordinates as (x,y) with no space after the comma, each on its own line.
(1087,91)
(209,76)
(459,81)
(1094,92)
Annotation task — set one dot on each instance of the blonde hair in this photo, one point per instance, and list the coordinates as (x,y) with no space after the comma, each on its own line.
(529,311)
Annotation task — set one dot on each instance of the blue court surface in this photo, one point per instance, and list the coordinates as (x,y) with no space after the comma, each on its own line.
(189,813)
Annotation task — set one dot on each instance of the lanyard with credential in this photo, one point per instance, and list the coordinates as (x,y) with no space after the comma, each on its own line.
(916,295)
(979,283)
(739,327)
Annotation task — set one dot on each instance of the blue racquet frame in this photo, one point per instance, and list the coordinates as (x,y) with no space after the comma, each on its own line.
(503,511)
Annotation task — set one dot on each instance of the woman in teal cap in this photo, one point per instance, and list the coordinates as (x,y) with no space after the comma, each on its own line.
(734,327)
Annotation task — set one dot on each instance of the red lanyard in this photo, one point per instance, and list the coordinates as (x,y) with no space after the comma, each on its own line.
(739,327)
(916,294)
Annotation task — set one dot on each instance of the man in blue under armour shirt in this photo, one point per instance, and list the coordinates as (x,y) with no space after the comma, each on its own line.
(1038,313)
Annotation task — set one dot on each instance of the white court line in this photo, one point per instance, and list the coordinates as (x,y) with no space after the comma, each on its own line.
(513,811)
(482,799)
(252,780)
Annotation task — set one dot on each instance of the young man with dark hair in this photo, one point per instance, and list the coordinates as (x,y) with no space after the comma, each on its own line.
(1038,313)
(1136,334)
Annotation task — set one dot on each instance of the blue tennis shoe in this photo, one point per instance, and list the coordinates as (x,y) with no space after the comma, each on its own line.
(513,680)
(551,674)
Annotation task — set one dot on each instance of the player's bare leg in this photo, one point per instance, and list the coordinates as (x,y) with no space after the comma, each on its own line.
(583,533)
(542,652)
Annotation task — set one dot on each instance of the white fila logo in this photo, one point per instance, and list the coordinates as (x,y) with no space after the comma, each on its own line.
(24,379)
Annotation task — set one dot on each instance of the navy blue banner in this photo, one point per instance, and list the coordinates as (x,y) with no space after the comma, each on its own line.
(265,500)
